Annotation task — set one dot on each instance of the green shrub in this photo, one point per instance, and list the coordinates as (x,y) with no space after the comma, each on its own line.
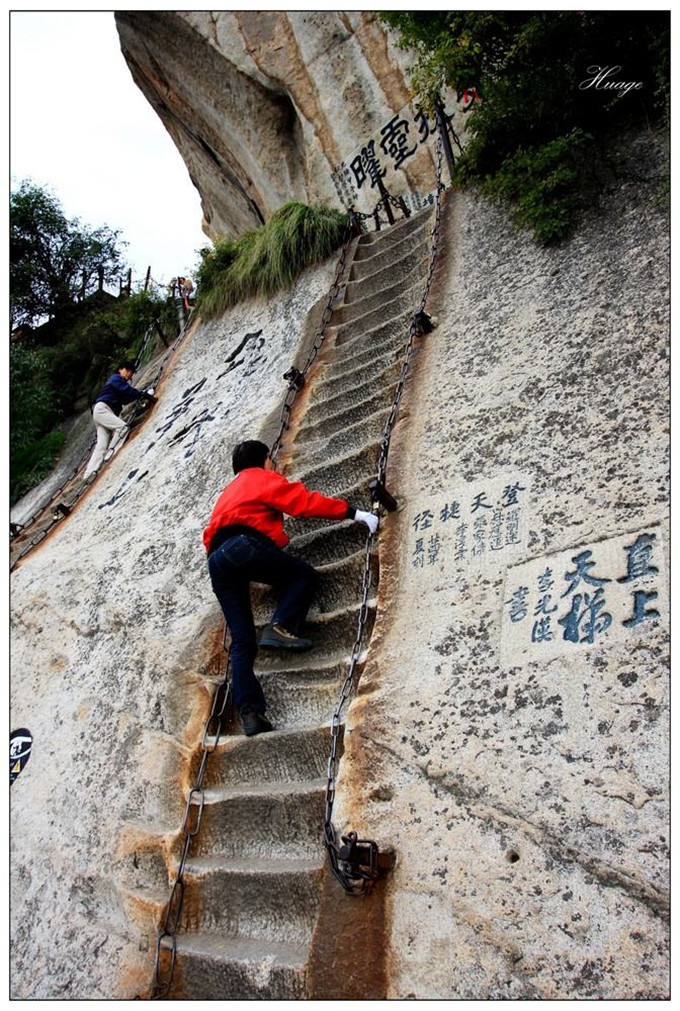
(542,185)
(269,258)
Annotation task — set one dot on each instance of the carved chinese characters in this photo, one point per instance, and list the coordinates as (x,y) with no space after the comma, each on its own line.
(471,526)
(591,595)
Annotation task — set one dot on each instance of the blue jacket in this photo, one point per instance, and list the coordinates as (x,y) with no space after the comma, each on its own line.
(117,392)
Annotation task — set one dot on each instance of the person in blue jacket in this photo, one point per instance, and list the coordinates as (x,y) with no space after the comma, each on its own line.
(106,413)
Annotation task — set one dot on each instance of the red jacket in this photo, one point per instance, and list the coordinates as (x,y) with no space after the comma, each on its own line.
(258,498)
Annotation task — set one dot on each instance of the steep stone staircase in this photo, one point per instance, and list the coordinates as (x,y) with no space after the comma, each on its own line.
(253,884)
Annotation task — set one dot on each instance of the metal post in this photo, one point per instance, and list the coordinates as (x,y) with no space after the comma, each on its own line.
(386,200)
(443,125)
(148,276)
(354,222)
(180,304)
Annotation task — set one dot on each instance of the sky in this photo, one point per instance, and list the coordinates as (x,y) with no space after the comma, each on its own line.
(80,126)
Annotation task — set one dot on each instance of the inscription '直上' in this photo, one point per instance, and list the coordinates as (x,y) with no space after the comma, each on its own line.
(598,593)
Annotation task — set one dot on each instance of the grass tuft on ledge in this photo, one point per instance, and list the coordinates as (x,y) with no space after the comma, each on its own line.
(269,258)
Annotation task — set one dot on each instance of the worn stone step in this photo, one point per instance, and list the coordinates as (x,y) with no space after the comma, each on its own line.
(384,290)
(341,471)
(378,242)
(320,411)
(406,299)
(211,967)
(384,348)
(348,408)
(351,342)
(339,584)
(405,257)
(295,702)
(263,821)
(285,756)
(332,633)
(406,246)
(330,543)
(274,900)
(340,438)
(372,365)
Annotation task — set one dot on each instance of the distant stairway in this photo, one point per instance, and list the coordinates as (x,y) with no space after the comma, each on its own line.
(253,886)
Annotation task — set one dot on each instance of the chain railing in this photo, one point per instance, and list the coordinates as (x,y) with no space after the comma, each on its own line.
(356,862)
(52,502)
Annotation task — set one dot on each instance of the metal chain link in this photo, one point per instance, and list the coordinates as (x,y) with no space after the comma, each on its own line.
(81,491)
(352,876)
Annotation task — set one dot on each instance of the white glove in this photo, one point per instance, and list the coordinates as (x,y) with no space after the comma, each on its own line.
(149,391)
(369,519)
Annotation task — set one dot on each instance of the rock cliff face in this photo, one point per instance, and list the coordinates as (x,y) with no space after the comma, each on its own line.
(509,737)
(263,106)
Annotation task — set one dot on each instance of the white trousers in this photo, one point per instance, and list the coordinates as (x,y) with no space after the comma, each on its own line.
(107,424)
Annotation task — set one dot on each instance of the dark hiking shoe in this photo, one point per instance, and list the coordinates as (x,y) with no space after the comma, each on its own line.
(276,637)
(254,722)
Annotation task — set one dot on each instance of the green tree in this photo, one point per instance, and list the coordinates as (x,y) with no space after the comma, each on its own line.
(537,134)
(32,412)
(54,262)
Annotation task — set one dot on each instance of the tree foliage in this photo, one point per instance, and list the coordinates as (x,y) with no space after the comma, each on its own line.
(536,134)
(54,262)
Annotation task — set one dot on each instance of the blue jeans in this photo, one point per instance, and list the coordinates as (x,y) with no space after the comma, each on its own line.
(233,566)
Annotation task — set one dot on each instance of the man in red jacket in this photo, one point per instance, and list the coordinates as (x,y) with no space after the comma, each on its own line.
(245,541)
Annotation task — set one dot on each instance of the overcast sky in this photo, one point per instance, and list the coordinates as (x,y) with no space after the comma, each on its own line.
(80,125)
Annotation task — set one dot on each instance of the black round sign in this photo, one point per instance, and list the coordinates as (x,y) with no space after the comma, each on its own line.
(20,744)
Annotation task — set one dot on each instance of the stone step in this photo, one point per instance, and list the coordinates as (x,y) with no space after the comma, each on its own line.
(386,288)
(406,300)
(406,246)
(337,473)
(339,585)
(330,543)
(267,821)
(295,701)
(273,900)
(285,756)
(378,242)
(211,967)
(342,471)
(337,438)
(371,363)
(366,351)
(405,257)
(351,341)
(338,406)
(332,633)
